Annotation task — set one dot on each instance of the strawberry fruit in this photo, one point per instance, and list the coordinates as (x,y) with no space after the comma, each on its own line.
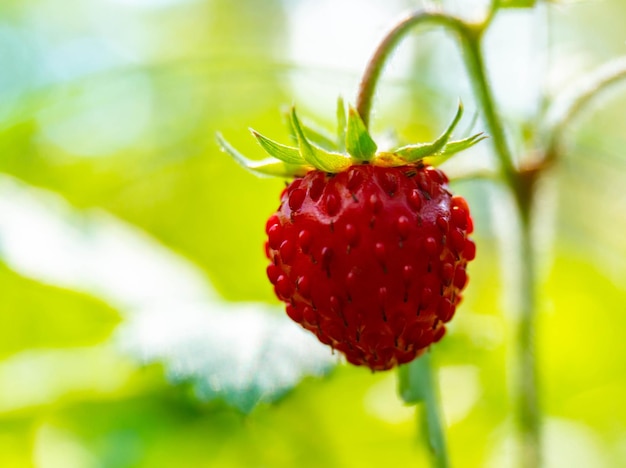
(368,250)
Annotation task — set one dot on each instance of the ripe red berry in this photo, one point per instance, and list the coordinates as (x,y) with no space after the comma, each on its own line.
(371,259)
(368,249)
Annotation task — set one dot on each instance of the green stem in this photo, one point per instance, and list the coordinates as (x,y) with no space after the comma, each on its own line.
(382,54)
(476,69)
(418,385)
(526,384)
(470,36)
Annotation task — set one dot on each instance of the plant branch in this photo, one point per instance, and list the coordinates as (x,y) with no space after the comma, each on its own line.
(568,106)
(384,50)
(470,35)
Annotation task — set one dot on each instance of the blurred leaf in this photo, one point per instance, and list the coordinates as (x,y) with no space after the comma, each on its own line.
(243,354)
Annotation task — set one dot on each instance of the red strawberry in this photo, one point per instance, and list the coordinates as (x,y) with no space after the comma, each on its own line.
(372,259)
(368,250)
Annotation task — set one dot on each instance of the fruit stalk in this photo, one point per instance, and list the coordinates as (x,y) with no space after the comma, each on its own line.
(381,55)
(417,383)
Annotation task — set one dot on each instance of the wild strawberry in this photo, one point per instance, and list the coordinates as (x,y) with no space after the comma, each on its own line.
(368,250)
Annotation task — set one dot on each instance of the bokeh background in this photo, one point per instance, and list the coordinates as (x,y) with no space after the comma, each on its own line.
(137,328)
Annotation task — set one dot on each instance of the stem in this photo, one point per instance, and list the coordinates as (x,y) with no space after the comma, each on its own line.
(418,385)
(526,384)
(571,103)
(522,185)
(375,66)
(470,35)
(478,76)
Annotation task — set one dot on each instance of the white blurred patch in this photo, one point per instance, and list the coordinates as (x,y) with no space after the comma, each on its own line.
(245,352)
(43,237)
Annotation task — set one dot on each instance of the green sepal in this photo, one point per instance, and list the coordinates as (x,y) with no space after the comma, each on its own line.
(412,153)
(317,135)
(341,124)
(267,167)
(285,153)
(320,137)
(316,156)
(454,147)
(359,143)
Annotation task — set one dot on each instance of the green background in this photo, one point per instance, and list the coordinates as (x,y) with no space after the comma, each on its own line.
(108,111)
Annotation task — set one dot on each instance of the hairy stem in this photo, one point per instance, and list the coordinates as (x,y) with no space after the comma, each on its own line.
(482,90)
(381,55)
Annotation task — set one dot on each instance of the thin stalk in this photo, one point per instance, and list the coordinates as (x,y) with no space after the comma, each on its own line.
(569,105)
(528,414)
(476,69)
(383,52)
(418,386)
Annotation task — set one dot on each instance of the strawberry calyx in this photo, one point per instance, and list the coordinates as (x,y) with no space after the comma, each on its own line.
(353,145)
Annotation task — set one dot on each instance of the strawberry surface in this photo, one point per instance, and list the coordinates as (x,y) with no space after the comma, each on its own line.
(371,259)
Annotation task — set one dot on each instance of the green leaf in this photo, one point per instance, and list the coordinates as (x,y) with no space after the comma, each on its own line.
(320,137)
(287,154)
(412,153)
(266,167)
(359,143)
(341,124)
(316,156)
(416,384)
